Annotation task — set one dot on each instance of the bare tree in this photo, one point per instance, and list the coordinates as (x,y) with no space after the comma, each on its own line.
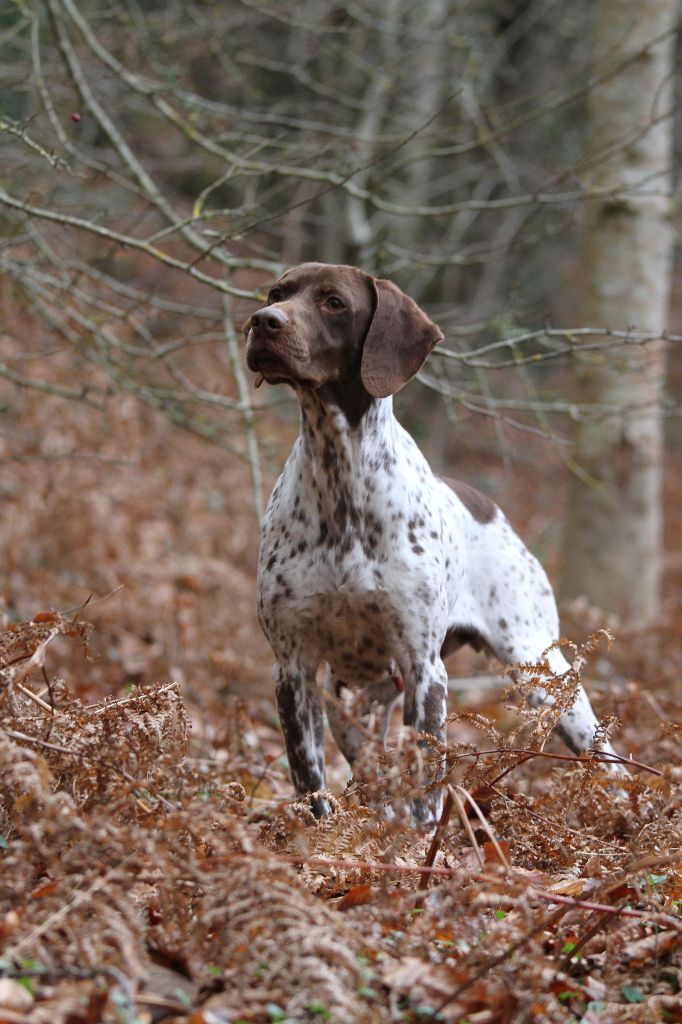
(162,161)
(614,530)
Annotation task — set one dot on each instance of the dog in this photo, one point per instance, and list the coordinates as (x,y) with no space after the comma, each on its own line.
(368,561)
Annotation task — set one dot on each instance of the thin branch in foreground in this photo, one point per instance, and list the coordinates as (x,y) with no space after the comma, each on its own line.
(247,411)
(448,805)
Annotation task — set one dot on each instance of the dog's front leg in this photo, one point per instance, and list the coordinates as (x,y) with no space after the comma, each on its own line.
(426,710)
(302,721)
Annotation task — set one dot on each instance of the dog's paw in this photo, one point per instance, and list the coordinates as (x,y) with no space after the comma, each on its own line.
(322,804)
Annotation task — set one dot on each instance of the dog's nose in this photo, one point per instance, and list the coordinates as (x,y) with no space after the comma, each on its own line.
(269,320)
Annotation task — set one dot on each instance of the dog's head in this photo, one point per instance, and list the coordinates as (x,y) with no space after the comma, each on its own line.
(325,323)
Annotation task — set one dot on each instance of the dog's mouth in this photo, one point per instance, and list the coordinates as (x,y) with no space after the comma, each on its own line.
(267,365)
(271,368)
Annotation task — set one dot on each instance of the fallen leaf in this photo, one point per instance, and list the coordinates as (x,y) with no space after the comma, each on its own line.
(43,890)
(358,896)
(491,854)
(641,950)
(47,617)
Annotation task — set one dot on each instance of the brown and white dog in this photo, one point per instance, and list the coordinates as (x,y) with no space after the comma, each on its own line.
(368,561)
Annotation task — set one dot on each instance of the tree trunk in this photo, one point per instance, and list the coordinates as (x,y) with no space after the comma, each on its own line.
(613,535)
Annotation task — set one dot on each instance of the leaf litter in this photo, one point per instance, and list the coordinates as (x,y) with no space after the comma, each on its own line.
(149,874)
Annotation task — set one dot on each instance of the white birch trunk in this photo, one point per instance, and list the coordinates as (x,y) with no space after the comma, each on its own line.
(614,527)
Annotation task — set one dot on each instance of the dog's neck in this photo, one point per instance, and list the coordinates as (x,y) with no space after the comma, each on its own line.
(326,421)
(340,458)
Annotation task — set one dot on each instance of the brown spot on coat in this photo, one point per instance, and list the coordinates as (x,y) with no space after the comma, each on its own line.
(434,709)
(482,508)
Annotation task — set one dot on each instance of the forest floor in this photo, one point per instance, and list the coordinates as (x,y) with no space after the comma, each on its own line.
(152,864)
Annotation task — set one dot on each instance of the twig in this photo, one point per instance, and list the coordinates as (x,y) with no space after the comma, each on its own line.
(23,738)
(101,706)
(486,825)
(566,335)
(127,241)
(81,394)
(600,757)
(511,768)
(89,602)
(600,923)
(467,825)
(149,999)
(448,804)
(603,908)
(36,699)
(339,862)
(247,411)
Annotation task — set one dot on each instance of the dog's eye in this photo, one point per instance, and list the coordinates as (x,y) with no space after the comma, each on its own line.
(334,302)
(276,295)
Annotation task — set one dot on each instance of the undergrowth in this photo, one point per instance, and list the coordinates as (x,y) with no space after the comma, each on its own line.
(147,874)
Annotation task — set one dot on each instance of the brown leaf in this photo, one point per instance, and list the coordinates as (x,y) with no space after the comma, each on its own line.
(49,616)
(358,896)
(491,853)
(641,950)
(43,890)
(568,887)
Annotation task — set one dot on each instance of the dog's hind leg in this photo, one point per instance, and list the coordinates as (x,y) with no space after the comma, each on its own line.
(356,713)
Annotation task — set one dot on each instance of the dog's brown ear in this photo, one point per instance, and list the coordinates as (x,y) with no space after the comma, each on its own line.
(398,341)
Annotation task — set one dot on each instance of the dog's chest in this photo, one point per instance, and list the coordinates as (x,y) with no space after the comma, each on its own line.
(351,564)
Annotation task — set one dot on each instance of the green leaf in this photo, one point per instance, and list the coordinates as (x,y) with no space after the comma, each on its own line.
(4,842)
(500,915)
(631,995)
(318,1008)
